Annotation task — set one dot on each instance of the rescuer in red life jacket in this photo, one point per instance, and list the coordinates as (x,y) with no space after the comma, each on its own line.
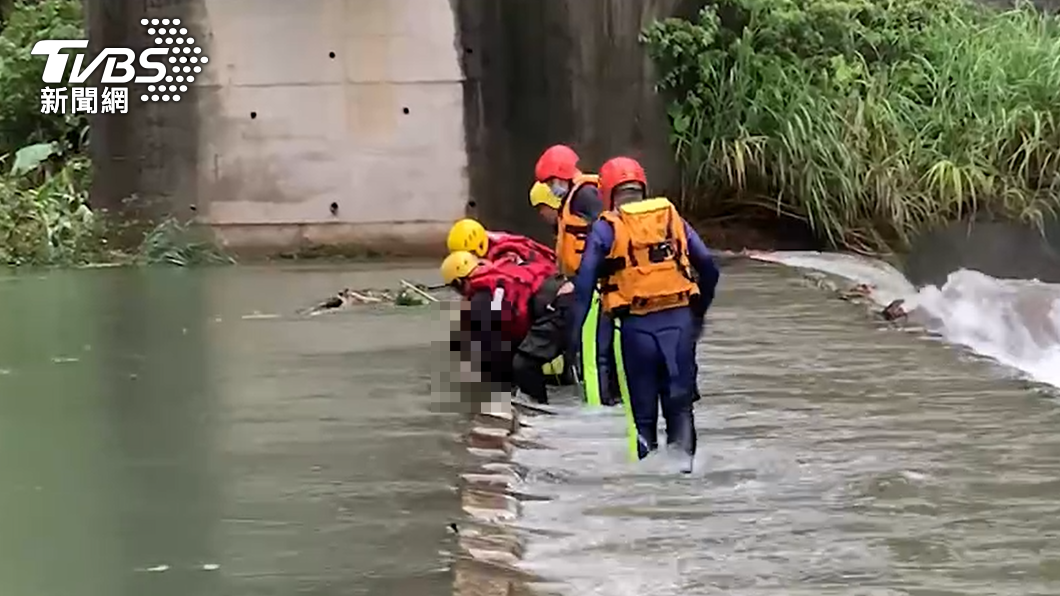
(470,235)
(513,317)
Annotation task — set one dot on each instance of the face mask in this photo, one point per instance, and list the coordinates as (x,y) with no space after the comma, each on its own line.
(559,190)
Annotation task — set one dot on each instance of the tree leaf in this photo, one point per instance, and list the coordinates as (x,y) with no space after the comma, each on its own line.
(30,157)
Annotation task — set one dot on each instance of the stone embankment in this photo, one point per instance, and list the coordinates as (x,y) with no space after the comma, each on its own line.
(489,546)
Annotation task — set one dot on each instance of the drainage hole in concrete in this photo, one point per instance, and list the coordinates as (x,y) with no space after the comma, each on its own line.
(405,111)
(334,208)
(331,54)
(253,115)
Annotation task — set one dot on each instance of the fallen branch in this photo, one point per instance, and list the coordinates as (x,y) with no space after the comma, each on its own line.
(414,288)
(362,297)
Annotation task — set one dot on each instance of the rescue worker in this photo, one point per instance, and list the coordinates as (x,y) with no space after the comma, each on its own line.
(514,316)
(471,236)
(658,280)
(572,204)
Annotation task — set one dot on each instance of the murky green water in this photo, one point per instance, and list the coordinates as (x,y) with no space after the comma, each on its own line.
(184,433)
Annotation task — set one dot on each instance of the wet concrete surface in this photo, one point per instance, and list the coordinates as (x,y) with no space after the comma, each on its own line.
(183,432)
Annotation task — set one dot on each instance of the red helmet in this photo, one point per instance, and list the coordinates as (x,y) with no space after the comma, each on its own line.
(558,161)
(619,170)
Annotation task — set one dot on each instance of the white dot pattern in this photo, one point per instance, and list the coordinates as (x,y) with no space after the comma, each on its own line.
(169,35)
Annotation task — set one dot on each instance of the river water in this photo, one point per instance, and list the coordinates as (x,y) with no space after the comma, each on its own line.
(836,457)
(184,433)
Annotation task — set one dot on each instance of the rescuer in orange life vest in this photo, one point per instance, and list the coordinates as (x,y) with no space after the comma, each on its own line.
(514,316)
(658,280)
(569,199)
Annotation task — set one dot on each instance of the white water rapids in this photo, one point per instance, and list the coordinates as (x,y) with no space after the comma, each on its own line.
(1015,322)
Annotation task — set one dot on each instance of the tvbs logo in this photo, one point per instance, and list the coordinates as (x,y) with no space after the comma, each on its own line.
(172,63)
(115,58)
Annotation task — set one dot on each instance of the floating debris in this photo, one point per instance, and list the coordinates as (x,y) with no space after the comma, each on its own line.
(858,292)
(409,294)
(157,568)
(894,311)
(259,315)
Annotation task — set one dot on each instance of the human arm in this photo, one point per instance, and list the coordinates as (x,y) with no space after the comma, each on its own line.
(705,268)
(587,203)
(597,247)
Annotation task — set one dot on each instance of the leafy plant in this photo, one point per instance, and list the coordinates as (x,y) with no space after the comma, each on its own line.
(21,120)
(45,218)
(173,242)
(870,120)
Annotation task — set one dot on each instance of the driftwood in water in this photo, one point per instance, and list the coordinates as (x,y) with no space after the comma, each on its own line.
(894,311)
(409,294)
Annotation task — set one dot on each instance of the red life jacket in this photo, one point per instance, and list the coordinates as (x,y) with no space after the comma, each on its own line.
(502,243)
(512,285)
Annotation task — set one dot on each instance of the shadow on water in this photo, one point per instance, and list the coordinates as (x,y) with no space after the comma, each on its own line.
(181,432)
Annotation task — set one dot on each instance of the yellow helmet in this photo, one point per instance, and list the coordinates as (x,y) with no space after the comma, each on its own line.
(541,194)
(458,265)
(469,235)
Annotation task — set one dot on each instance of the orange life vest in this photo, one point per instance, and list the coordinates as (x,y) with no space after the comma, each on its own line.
(573,230)
(648,268)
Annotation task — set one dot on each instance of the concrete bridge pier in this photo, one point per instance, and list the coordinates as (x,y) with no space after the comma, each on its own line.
(374,124)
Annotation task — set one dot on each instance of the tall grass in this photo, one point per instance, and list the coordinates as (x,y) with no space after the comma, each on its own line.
(869,120)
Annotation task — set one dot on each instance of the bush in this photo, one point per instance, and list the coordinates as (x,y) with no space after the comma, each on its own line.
(869,120)
(44,181)
(21,121)
(44,214)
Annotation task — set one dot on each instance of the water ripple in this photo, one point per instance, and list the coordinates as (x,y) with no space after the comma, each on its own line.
(835,458)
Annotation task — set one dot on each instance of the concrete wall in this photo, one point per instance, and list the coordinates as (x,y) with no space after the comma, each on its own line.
(376,123)
(547,71)
(1006,250)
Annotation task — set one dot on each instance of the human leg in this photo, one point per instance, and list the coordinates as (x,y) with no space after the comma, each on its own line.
(546,339)
(590,373)
(607,378)
(679,389)
(637,361)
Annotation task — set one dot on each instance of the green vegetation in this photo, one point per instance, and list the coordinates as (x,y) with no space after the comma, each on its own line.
(45,173)
(868,119)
